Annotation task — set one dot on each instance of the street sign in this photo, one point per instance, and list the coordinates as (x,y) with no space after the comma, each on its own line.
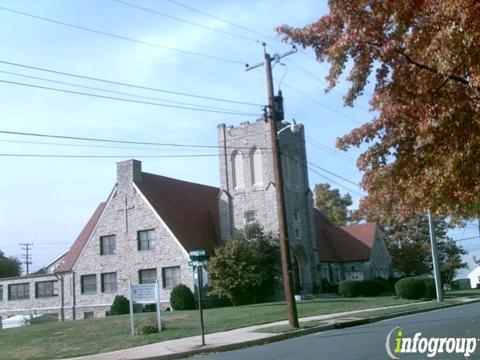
(197,253)
(144,293)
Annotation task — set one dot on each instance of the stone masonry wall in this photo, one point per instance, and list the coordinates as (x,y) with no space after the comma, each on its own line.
(127,260)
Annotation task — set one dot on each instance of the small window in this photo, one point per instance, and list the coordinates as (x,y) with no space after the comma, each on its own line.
(146,240)
(147,276)
(18,291)
(250,217)
(107,245)
(89,284)
(1,292)
(298,234)
(295,216)
(171,277)
(88,315)
(45,289)
(109,282)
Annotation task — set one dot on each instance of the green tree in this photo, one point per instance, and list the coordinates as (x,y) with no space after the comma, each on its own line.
(423,143)
(9,266)
(450,255)
(334,205)
(244,269)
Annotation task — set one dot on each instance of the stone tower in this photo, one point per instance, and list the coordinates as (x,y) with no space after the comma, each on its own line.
(248,190)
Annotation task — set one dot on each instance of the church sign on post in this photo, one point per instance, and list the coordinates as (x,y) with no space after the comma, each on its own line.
(144,294)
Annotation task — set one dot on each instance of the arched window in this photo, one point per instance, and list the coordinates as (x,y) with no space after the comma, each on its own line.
(237,168)
(256,166)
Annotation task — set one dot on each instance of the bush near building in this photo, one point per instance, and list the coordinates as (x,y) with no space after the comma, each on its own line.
(349,288)
(354,288)
(182,298)
(120,306)
(410,288)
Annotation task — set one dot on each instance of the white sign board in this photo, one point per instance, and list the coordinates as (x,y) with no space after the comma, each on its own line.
(144,293)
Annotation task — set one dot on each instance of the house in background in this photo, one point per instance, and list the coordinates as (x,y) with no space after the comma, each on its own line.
(474,277)
(351,252)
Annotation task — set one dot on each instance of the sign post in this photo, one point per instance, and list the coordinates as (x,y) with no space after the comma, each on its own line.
(199,259)
(145,294)
(132,321)
(200,285)
(159,319)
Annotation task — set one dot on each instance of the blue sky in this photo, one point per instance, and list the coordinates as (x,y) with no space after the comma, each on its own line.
(46,201)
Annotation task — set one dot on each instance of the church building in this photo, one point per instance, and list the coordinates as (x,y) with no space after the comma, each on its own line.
(149,223)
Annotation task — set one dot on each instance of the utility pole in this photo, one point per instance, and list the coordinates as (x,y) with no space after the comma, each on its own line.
(436,264)
(278,175)
(27,257)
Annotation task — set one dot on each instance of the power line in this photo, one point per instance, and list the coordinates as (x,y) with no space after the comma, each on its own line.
(119,141)
(130,85)
(329,150)
(333,174)
(121,37)
(117,92)
(107,156)
(156,12)
(127,100)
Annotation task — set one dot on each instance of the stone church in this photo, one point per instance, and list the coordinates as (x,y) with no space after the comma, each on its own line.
(149,223)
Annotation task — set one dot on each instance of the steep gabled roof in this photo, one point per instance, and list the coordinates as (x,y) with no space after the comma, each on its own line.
(189,210)
(347,243)
(72,255)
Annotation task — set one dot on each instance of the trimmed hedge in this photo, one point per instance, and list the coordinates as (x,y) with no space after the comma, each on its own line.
(182,298)
(120,306)
(349,288)
(430,290)
(410,288)
(372,287)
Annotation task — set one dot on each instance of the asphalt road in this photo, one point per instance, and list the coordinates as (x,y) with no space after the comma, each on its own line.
(368,341)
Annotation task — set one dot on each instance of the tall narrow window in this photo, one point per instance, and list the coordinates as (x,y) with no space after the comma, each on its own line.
(107,245)
(88,284)
(256,166)
(286,168)
(109,282)
(146,239)
(295,171)
(147,276)
(237,167)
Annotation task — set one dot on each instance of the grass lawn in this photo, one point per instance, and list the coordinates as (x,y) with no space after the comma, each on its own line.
(84,337)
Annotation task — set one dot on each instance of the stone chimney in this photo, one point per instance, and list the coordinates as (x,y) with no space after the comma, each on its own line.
(128,171)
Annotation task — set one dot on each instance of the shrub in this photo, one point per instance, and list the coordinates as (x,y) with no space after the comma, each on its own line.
(410,288)
(349,288)
(149,326)
(371,287)
(430,290)
(120,306)
(182,298)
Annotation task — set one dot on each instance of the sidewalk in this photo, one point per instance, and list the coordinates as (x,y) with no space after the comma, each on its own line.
(247,335)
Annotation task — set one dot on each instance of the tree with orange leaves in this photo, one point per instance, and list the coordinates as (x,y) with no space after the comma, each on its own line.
(424,144)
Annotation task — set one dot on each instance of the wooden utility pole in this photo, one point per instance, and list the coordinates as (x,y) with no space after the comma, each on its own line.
(278,174)
(436,264)
(27,257)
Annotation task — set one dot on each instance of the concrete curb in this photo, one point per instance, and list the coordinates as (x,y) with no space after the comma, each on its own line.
(298,333)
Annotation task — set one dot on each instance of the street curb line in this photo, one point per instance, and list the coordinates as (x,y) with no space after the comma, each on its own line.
(298,333)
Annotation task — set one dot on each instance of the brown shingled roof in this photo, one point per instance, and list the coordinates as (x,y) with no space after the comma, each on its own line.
(72,255)
(347,243)
(190,210)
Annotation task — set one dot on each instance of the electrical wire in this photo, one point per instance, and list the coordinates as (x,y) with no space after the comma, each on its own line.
(129,85)
(106,156)
(128,100)
(118,92)
(120,141)
(121,37)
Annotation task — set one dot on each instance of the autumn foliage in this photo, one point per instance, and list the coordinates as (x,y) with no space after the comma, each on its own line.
(423,145)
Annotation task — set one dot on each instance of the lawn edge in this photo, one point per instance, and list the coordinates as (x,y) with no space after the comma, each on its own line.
(298,333)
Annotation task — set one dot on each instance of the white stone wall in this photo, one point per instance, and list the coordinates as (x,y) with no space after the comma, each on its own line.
(262,199)
(127,260)
(33,305)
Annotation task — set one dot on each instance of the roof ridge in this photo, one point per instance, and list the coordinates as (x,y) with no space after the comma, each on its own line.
(183,181)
